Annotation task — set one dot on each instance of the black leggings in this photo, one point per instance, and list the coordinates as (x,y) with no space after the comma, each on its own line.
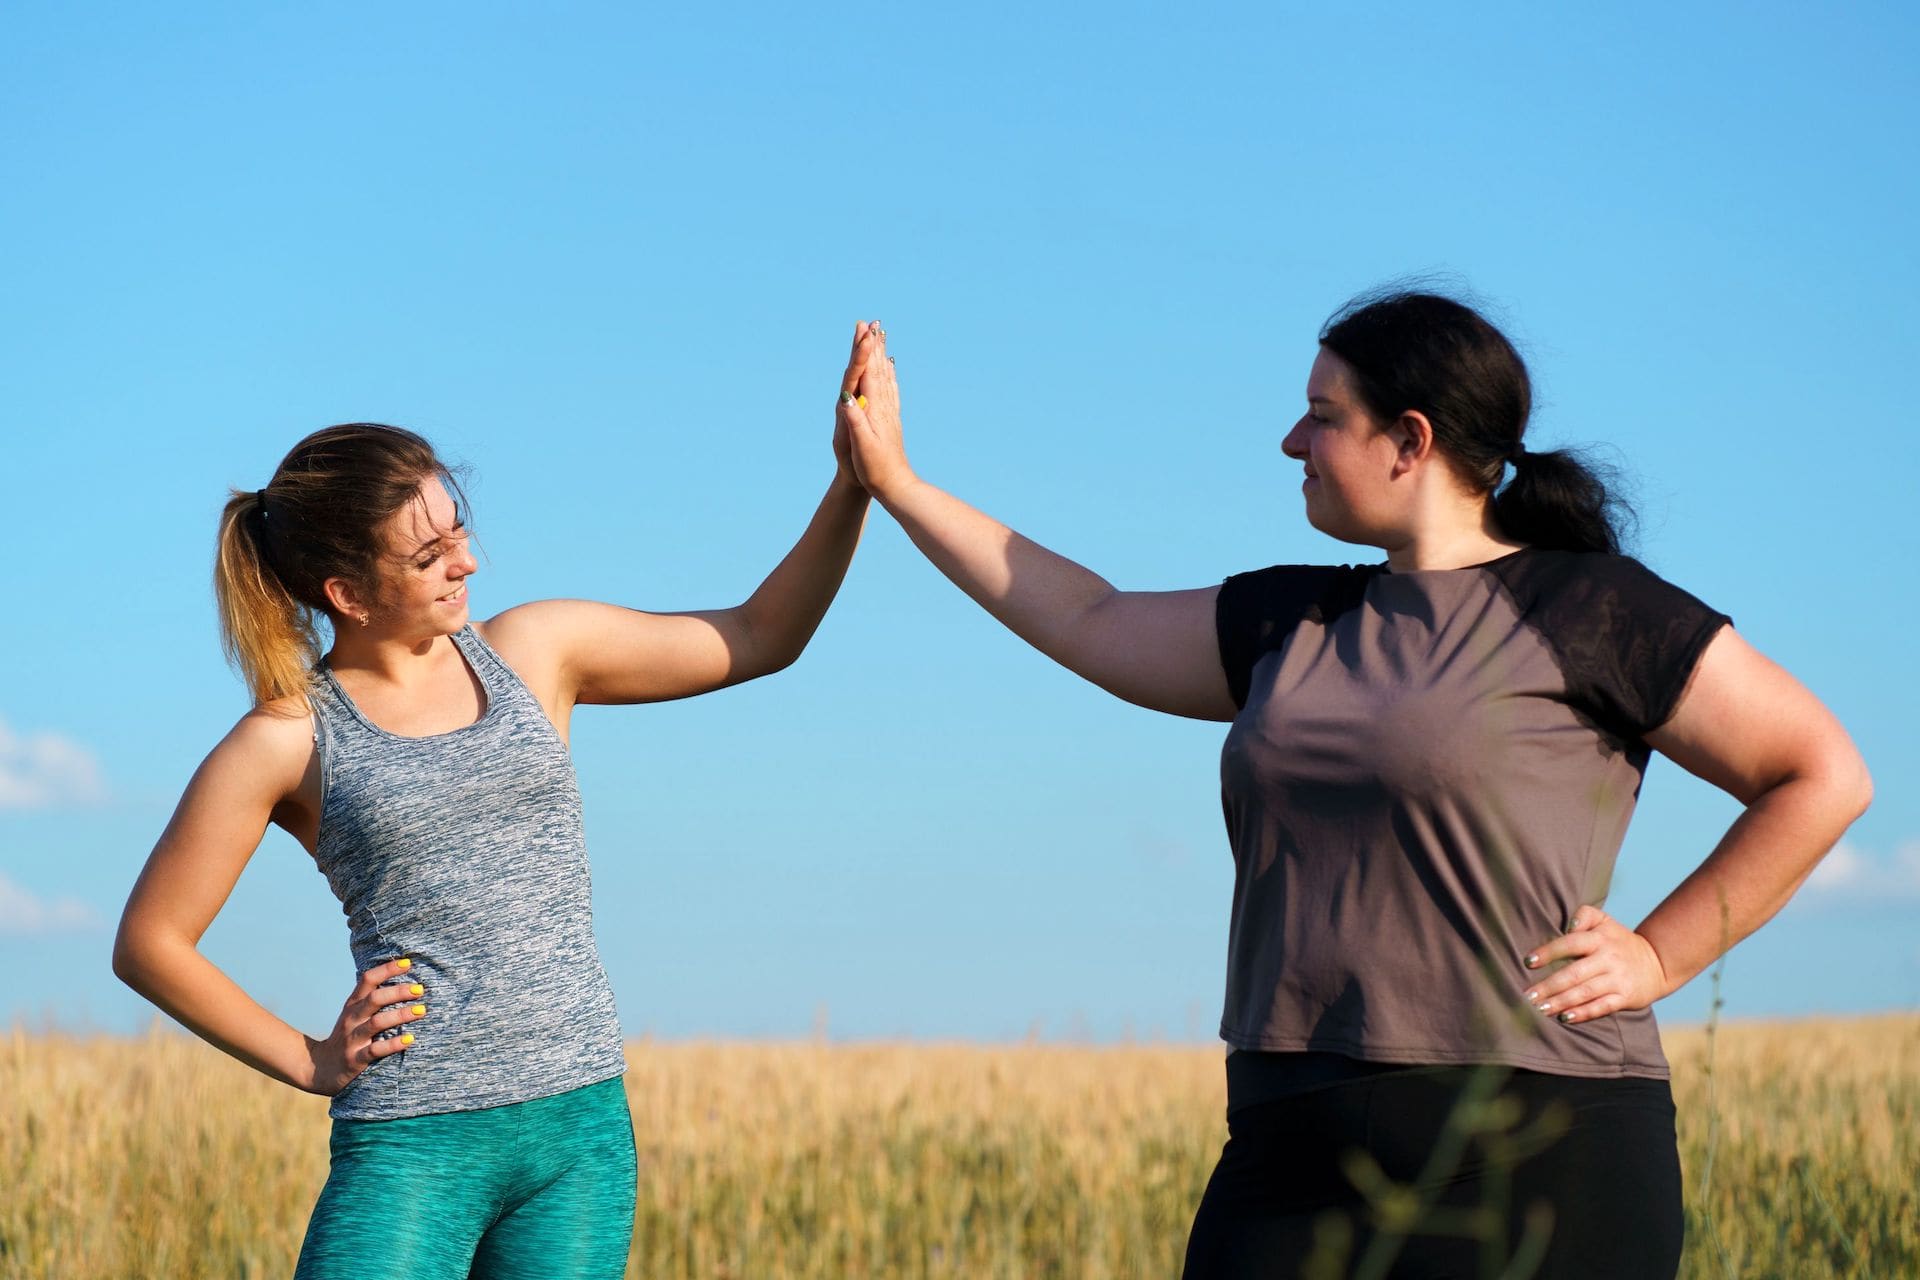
(1282,1204)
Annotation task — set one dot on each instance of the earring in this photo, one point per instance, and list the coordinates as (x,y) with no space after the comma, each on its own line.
(363,619)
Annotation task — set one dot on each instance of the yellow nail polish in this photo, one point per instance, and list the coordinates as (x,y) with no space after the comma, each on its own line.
(419,1010)
(861,401)
(407,1038)
(416,990)
(405,964)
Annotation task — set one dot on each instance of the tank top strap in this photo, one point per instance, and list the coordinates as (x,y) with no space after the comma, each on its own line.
(331,713)
(503,683)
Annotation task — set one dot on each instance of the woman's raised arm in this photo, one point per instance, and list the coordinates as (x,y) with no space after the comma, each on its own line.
(582,651)
(1157,649)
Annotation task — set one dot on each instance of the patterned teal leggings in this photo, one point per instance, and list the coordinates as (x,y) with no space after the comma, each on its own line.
(542,1188)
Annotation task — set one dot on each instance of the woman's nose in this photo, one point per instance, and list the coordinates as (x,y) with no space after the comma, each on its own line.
(1294,443)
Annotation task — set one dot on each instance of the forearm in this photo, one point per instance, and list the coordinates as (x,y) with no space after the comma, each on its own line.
(1768,851)
(786,609)
(1038,595)
(194,992)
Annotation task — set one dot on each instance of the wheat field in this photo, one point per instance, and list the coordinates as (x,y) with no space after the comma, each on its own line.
(159,1158)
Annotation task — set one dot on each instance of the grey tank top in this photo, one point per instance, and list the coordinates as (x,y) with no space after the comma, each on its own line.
(465,851)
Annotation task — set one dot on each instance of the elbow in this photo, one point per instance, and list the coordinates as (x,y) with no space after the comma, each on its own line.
(775,663)
(1860,789)
(126,956)
(1842,775)
(132,955)
(125,966)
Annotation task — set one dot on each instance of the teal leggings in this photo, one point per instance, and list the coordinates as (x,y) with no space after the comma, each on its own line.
(542,1188)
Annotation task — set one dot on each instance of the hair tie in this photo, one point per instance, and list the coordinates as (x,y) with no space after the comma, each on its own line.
(1518,452)
(261,494)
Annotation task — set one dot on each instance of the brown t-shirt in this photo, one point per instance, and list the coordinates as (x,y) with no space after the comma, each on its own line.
(1430,772)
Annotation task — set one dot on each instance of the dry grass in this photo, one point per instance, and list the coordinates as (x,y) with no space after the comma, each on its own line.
(161,1159)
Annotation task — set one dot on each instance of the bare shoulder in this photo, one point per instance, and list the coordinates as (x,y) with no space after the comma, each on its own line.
(275,738)
(530,637)
(1744,724)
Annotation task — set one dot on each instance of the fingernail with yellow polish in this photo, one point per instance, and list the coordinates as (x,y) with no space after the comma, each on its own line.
(404,963)
(416,990)
(861,401)
(419,1010)
(407,1038)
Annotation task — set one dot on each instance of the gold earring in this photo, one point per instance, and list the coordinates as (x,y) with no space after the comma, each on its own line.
(363,619)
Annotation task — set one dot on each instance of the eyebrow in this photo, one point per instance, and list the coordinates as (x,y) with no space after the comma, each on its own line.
(438,537)
(1318,400)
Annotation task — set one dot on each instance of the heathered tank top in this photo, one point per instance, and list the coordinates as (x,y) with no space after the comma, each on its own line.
(464,851)
(1430,772)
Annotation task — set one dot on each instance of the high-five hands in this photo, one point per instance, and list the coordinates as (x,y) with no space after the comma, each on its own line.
(868,337)
(870,421)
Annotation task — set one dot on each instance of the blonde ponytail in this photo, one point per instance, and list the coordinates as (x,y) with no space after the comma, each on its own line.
(266,634)
(320,517)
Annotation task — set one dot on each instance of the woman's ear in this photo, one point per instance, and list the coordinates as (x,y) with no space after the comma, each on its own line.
(348,601)
(1412,437)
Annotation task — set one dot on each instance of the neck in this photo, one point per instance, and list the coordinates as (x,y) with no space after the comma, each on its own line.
(1452,537)
(392,658)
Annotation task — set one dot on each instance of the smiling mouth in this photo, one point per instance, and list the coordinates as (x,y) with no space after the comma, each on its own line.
(454,596)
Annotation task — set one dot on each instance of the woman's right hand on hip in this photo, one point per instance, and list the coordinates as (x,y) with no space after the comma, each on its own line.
(377,1004)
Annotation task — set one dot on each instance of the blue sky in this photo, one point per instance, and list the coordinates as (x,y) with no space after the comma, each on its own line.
(609,256)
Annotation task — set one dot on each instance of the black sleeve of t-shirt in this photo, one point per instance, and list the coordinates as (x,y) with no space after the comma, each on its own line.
(1256,612)
(1627,639)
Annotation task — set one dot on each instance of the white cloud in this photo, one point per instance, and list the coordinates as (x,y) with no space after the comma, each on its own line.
(43,770)
(24,915)
(1852,873)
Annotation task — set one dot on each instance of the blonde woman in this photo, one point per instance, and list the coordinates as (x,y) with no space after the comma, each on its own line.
(479,1123)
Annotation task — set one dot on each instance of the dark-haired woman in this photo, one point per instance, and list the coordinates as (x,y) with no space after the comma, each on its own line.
(1430,770)
(479,1123)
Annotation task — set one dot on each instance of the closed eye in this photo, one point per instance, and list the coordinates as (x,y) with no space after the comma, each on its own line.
(459,531)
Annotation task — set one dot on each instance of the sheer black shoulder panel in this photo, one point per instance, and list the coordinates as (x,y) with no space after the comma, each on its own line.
(1626,639)
(1256,612)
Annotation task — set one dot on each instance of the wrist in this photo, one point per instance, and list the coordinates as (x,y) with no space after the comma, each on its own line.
(897,488)
(306,1075)
(846,487)
(1668,981)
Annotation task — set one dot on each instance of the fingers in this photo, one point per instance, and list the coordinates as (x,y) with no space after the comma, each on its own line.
(1569,988)
(389,1018)
(1598,1007)
(1604,969)
(381,973)
(1588,917)
(866,335)
(394,993)
(378,1049)
(877,381)
(1568,946)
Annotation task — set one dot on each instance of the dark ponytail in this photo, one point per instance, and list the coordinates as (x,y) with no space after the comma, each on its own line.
(1561,501)
(1412,351)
